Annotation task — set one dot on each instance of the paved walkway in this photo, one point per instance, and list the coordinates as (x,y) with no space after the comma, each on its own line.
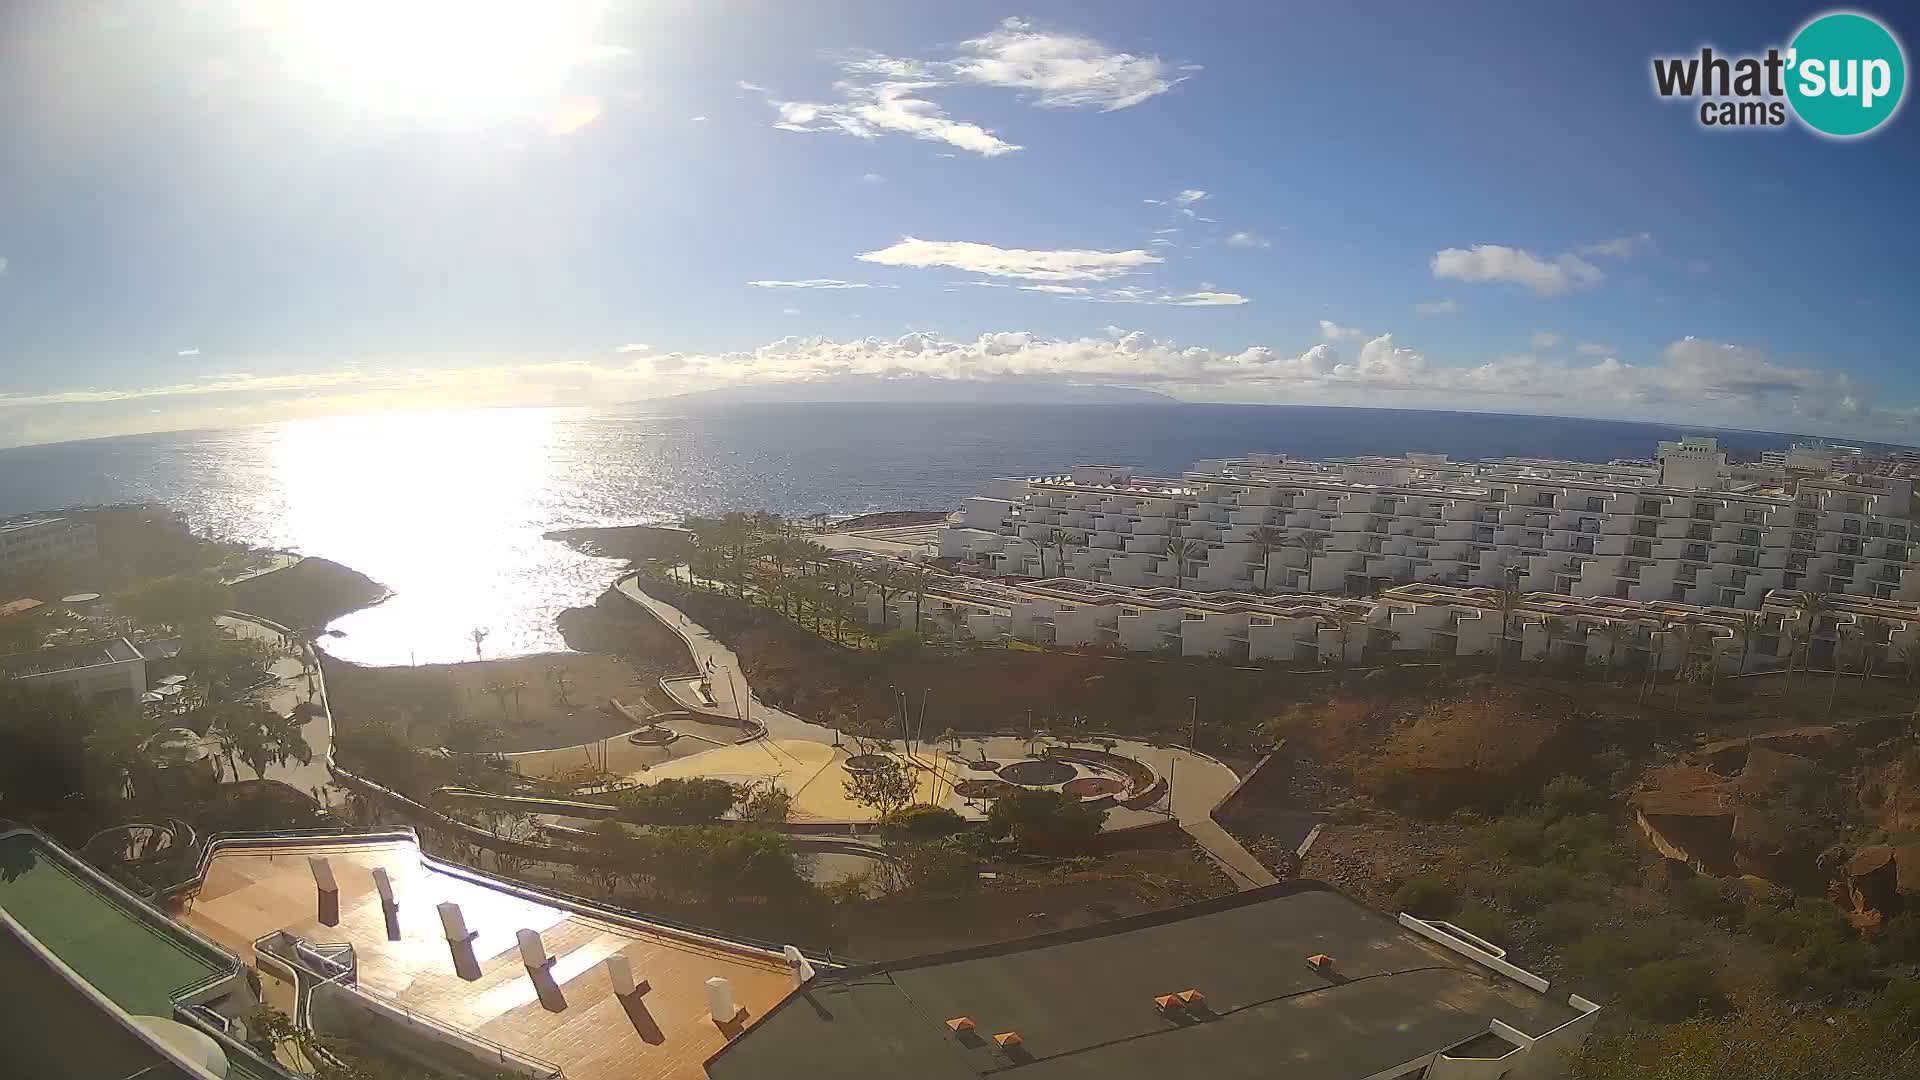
(297,687)
(1198,782)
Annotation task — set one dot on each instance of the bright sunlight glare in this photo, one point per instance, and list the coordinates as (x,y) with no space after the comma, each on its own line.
(453,60)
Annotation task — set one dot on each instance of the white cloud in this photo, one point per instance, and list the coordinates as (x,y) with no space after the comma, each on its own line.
(1437,307)
(1057,266)
(188,352)
(751,88)
(3,264)
(1061,71)
(633,347)
(1058,290)
(816,283)
(1497,263)
(1589,348)
(872,178)
(1189,196)
(1137,294)
(1333,331)
(883,95)
(1248,240)
(1620,247)
(1542,339)
(696,119)
(1210,298)
(871,110)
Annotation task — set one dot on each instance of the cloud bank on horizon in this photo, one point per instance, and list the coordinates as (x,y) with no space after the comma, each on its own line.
(495,205)
(1690,381)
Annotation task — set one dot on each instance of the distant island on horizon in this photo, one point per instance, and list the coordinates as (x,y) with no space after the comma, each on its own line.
(915,390)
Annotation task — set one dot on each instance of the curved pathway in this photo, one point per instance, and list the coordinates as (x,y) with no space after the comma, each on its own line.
(1198,782)
(300,683)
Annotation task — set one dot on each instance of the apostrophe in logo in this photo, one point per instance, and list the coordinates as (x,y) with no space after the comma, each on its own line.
(1844,75)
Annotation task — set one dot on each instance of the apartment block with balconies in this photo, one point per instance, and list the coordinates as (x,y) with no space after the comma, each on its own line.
(1623,530)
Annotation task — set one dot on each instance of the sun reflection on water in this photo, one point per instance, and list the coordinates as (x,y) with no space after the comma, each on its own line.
(449,508)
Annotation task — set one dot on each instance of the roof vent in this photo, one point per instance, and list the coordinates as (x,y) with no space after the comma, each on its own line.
(1321,963)
(1169,1002)
(960,1024)
(1007,1040)
(1192,999)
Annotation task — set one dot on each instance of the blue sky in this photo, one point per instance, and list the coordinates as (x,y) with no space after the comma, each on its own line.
(219,213)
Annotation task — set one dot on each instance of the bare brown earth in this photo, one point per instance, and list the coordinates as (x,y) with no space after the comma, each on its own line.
(892,519)
(530,716)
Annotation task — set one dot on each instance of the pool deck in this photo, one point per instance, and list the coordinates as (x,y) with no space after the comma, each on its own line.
(664,1032)
(129,954)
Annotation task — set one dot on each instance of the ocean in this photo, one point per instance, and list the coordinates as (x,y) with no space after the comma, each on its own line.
(447,509)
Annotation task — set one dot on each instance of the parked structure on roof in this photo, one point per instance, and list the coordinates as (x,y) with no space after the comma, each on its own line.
(1292,980)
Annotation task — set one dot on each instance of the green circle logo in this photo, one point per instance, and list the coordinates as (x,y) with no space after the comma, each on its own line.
(1846,74)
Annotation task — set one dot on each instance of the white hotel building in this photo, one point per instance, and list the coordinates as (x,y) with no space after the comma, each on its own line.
(1689,529)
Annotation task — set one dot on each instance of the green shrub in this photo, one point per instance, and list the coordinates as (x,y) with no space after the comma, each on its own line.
(923,820)
(1605,955)
(900,642)
(1567,921)
(1669,991)
(1512,839)
(933,868)
(1564,796)
(1711,900)
(1566,838)
(1483,920)
(1046,822)
(678,802)
(1825,968)
(1425,897)
(1807,922)
(1900,938)
(1531,888)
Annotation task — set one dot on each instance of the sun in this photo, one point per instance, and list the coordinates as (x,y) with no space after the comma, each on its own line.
(452,60)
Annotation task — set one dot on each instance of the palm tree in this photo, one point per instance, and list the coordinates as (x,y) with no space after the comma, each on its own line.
(1616,634)
(1655,647)
(888,582)
(1509,602)
(1812,605)
(1874,633)
(1265,539)
(952,620)
(498,691)
(1907,655)
(918,578)
(1690,637)
(478,634)
(1345,621)
(1748,625)
(1799,637)
(557,675)
(1847,637)
(1058,539)
(1554,627)
(1183,553)
(1313,543)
